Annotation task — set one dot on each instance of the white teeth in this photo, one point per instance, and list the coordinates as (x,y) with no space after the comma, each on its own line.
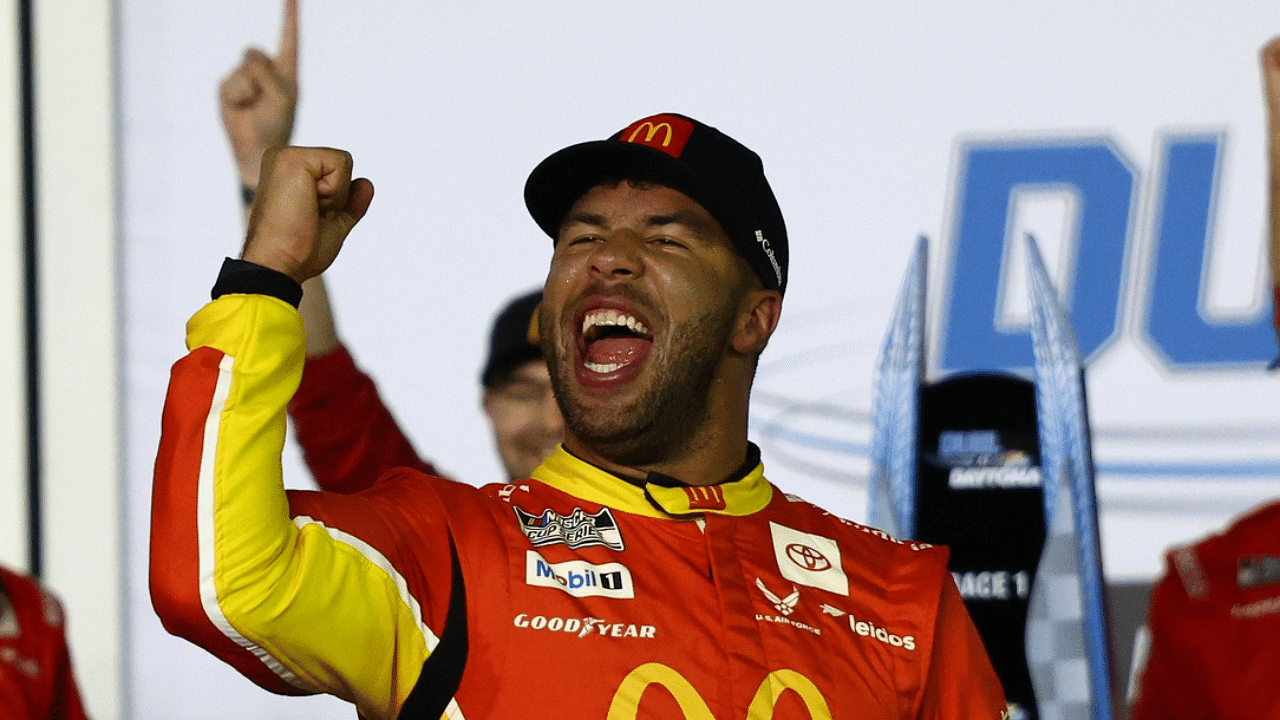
(602,369)
(613,317)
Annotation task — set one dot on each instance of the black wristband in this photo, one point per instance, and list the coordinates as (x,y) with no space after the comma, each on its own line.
(241,277)
(247,194)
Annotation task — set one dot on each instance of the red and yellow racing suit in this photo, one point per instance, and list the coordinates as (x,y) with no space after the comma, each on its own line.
(575,594)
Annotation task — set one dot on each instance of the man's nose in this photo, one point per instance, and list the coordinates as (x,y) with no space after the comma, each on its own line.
(618,255)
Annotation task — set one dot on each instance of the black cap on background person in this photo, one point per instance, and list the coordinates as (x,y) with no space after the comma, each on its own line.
(513,340)
(518,399)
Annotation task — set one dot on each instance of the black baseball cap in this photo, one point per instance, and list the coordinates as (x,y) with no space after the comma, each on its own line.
(721,174)
(514,338)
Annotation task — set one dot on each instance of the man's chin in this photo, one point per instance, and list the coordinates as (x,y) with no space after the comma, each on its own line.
(602,432)
(607,431)
(635,435)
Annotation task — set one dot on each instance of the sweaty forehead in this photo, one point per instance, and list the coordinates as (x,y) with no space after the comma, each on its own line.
(644,204)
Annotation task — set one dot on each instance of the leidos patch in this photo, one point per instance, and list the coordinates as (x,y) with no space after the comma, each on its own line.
(809,559)
(866,628)
(579,578)
(578,529)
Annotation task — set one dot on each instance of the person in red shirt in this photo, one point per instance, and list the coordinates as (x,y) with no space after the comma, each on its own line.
(1215,624)
(347,434)
(1214,617)
(36,679)
(646,569)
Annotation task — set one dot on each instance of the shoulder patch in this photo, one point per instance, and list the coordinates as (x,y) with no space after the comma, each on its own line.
(809,559)
(1190,572)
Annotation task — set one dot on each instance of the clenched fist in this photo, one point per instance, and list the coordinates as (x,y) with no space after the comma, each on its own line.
(306,205)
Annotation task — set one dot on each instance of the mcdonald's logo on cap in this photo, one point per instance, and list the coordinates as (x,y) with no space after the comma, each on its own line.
(667,133)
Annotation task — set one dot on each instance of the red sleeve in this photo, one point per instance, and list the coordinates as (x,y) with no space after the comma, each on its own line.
(961,681)
(347,434)
(1173,680)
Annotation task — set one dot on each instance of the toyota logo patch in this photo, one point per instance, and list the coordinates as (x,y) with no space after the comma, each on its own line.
(807,558)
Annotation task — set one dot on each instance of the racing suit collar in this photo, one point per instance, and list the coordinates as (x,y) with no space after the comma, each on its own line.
(743,493)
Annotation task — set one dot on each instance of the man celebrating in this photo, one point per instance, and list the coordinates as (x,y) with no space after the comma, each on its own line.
(647,569)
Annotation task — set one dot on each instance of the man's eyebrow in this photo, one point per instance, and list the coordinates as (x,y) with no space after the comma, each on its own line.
(701,225)
(584,218)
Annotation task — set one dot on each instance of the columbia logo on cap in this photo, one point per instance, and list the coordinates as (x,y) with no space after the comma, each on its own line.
(773,259)
(667,133)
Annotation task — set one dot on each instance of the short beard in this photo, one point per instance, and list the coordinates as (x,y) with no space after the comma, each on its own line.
(663,424)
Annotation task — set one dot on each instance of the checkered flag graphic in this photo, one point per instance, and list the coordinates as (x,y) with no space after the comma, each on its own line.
(899,374)
(1067,648)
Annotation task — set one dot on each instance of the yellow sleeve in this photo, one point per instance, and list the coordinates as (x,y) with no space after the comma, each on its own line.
(298,604)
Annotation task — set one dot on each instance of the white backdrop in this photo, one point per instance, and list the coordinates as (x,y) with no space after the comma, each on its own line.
(859,110)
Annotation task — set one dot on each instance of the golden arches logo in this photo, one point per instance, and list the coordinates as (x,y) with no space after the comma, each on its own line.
(650,131)
(778,682)
(626,700)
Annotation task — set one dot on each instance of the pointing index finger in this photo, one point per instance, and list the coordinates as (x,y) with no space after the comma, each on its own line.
(287,62)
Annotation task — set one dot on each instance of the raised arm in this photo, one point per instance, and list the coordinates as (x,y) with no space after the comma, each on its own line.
(259,101)
(347,435)
(237,566)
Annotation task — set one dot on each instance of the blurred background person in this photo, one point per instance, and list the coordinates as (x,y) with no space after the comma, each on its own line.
(1214,618)
(36,679)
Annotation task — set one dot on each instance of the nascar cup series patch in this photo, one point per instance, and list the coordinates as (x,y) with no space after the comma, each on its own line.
(578,529)
(809,559)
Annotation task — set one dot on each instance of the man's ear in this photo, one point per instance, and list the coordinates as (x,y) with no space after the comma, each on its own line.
(487,398)
(757,318)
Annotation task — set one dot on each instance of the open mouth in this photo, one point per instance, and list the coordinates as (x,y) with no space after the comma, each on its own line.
(614,339)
